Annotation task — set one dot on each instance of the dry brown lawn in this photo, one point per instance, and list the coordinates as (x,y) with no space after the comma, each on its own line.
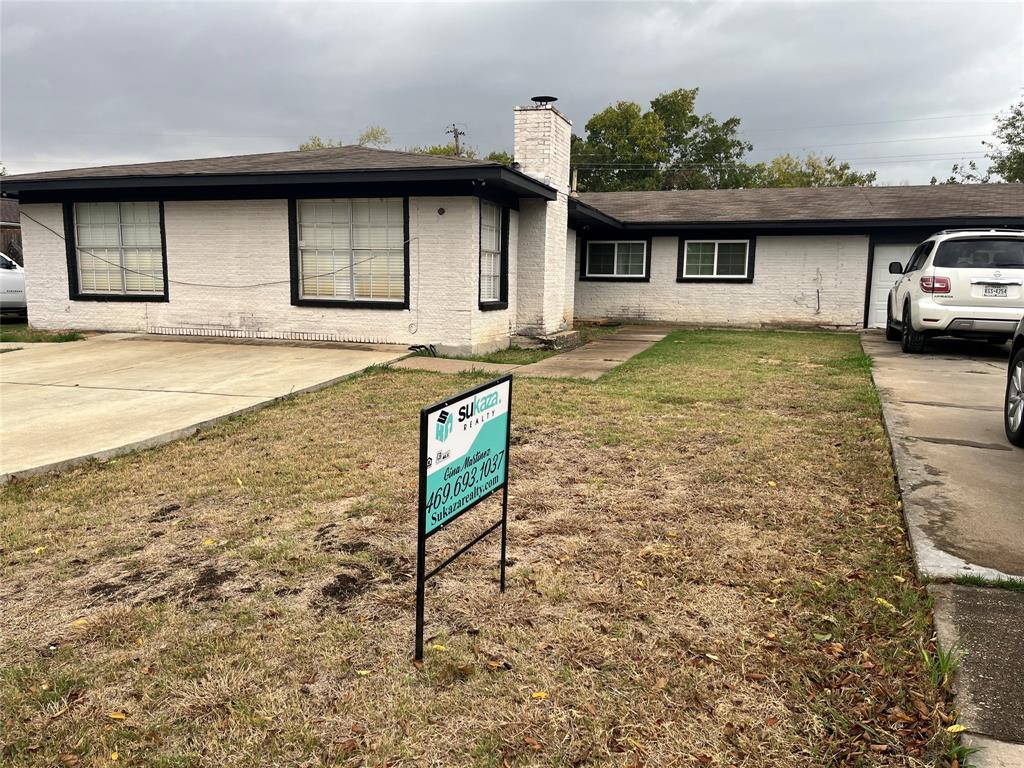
(708,568)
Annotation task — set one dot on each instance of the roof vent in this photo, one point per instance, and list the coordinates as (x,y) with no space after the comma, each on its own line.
(543,101)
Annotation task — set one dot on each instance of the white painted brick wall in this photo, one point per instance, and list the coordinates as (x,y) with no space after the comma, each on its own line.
(246,242)
(789,273)
(569,300)
(542,145)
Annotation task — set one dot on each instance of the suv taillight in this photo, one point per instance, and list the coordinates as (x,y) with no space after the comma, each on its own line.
(935,284)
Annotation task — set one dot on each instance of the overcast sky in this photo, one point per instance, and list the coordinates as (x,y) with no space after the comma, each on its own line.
(905,88)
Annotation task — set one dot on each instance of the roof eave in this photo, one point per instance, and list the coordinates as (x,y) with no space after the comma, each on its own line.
(790,224)
(514,181)
(580,212)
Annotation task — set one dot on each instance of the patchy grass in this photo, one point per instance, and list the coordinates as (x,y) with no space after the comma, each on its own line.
(525,356)
(23,332)
(708,568)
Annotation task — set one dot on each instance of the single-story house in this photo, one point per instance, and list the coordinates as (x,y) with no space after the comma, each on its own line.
(367,245)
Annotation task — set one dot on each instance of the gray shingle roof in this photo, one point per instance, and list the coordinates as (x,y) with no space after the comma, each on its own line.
(334,159)
(731,206)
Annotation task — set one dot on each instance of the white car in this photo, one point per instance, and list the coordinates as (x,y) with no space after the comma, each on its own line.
(12,286)
(960,282)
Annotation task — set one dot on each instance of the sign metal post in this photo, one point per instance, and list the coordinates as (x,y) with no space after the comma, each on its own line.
(464,444)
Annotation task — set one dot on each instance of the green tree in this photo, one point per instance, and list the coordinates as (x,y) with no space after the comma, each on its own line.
(1008,157)
(499,156)
(625,148)
(315,142)
(811,171)
(448,150)
(964,173)
(444,150)
(705,153)
(671,146)
(374,136)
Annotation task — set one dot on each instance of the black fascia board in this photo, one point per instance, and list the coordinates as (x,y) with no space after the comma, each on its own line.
(582,214)
(851,224)
(500,177)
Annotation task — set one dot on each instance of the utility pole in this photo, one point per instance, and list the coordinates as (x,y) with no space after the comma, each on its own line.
(456,134)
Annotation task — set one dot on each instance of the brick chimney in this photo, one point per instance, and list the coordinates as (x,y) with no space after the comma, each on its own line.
(542,141)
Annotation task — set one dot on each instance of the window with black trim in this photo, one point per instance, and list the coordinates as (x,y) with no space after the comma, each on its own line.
(616,258)
(711,259)
(351,250)
(119,250)
(493,256)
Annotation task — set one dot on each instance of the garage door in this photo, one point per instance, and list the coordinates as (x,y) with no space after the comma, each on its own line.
(881,280)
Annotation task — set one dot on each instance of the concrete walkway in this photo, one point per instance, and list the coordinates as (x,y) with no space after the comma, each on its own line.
(591,361)
(963,500)
(63,404)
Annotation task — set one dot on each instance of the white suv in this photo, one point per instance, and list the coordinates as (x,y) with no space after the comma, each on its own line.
(959,282)
(12,286)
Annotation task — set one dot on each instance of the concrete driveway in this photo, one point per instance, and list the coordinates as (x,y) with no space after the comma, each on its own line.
(963,495)
(61,404)
(962,481)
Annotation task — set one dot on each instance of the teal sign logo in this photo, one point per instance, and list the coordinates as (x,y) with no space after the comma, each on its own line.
(443,428)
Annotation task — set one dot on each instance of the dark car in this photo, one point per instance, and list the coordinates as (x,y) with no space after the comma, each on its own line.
(1014,408)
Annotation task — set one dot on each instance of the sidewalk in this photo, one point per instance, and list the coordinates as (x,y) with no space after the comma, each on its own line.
(591,361)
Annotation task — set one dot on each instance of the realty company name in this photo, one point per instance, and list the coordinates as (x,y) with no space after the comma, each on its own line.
(478,408)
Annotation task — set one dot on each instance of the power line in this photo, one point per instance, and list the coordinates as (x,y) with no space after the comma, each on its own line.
(804,147)
(872,122)
(734,164)
(885,141)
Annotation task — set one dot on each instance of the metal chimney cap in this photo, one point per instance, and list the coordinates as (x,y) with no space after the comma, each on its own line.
(543,100)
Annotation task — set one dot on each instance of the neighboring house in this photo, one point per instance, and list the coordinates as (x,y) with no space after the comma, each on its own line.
(10,229)
(358,244)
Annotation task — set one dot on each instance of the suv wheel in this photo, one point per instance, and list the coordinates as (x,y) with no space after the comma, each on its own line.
(911,341)
(1014,409)
(892,333)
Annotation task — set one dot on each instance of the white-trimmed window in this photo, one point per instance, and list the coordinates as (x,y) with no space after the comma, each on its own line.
(715,258)
(119,249)
(490,252)
(352,249)
(616,258)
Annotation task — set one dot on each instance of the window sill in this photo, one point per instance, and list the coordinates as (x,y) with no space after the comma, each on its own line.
(138,297)
(351,304)
(715,279)
(615,279)
(491,306)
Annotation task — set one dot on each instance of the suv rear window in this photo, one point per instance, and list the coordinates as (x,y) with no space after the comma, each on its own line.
(982,253)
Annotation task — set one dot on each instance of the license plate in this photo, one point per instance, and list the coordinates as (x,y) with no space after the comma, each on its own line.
(996,291)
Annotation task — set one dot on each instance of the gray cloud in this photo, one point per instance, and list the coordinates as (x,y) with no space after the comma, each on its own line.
(92,83)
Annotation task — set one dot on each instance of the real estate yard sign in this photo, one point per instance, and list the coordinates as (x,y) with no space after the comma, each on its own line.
(463,460)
